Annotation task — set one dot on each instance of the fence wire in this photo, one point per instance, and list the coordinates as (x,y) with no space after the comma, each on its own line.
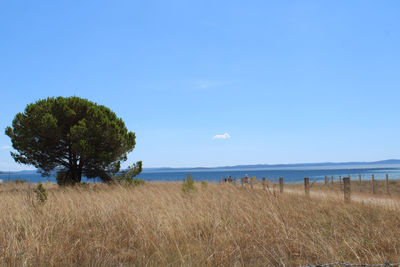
(352,264)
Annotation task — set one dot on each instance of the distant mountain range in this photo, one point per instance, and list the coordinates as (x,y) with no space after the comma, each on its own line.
(262,166)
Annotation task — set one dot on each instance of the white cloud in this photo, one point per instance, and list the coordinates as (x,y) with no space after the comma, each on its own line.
(222,136)
(5,147)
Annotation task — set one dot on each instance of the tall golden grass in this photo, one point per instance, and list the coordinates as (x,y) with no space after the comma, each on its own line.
(158,224)
(364,187)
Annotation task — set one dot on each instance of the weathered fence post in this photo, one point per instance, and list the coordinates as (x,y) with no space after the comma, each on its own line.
(234,181)
(331,179)
(387,184)
(346,189)
(373,184)
(359,181)
(251,182)
(340,182)
(307,186)
(219,181)
(281,184)
(326,179)
(263,183)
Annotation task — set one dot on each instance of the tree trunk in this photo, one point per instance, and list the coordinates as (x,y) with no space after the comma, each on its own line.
(75,173)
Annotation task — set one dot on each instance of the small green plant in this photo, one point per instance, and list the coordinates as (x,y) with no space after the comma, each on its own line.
(134,181)
(41,193)
(127,177)
(62,178)
(188,185)
(129,181)
(84,185)
(204,184)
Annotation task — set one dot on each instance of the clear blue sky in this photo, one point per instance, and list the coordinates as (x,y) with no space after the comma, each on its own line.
(289,81)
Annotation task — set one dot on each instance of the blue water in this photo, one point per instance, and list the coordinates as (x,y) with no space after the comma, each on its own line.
(34,178)
(290,175)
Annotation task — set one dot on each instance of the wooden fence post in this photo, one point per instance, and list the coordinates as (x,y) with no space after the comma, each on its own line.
(219,181)
(307,186)
(340,182)
(346,189)
(373,184)
(281,184)
(263,183)
(326,179)
(387,184)
(359,181)
(251,182)
(331,179)
(241,180)
(234,181)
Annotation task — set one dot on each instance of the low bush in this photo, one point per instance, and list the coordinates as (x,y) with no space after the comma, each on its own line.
(127,177)
(188,185)
(62,178)
(41,193)
(133,181)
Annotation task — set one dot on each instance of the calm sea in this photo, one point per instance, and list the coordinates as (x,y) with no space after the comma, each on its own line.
(290,175)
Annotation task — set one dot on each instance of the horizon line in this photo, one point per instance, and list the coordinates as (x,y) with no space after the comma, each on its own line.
(275,164)
(257,164)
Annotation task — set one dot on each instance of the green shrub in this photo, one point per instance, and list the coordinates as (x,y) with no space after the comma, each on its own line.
(135,181)
(41,193)
(188,184)
(130,181)
(62,178)
(127,177)
(84,185)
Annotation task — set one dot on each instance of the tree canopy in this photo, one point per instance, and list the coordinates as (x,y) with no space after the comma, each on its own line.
(73,135)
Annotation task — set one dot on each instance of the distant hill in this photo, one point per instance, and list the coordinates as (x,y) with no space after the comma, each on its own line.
(270,166)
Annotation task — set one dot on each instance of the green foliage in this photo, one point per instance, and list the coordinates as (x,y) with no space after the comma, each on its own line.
(204,184)
(130,181)
(18,181)
(74,134)
(135,182)
(188,185)
(127,176)
(63,179)
(41,193)
(84,185)
(130,172)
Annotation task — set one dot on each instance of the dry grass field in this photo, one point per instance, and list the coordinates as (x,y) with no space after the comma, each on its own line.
(156,224)
(364,187)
